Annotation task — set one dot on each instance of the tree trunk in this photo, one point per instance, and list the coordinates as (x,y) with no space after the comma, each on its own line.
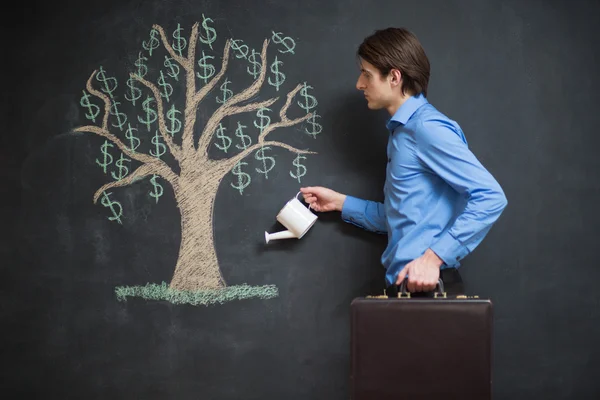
(197,265)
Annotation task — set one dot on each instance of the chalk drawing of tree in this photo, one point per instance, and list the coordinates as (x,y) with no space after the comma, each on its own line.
(195,184)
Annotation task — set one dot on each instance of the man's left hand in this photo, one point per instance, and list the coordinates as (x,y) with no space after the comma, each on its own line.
(423,272)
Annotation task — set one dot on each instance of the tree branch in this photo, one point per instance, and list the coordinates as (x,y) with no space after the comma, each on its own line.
(290,96)
(145,158)
(103,131)
(185,62)
(285,121)
(162,127)
(224,111)
(229,163)
(139,173)
(250,107)
(187,138)
(252,90)
(192,44)
(141,157)
(102,96)
(194,98)
(281,124)
(207,135)
(210,85)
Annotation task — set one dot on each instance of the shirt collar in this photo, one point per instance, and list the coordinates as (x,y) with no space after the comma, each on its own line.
(406,110)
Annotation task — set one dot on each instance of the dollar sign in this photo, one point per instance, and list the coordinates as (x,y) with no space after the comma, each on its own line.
(121,117)
(107,202)
(93,110)
(287,42)
(110,84)
(316,128)
(239,132)
(159,147)
(134,142)
(152,43)
(241,50)
(173,68)
(227,93)
(134,93)
(256,66)
(310,101)
(279,76)
(226,139)
(157,189)
(265,120)
(123,170)
(243,179)
(180,43)
(167,89)
(151,115)
(142,68)
(208,70)
(300,169)
(260,156)
(106,154)
(175,125)
(211,34)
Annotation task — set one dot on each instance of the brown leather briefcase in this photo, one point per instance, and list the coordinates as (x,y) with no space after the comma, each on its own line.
(436,347)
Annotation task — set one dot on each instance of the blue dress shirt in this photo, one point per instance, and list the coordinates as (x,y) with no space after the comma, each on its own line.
(436,195)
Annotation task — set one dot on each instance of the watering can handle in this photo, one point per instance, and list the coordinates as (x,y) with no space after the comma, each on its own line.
(297,197)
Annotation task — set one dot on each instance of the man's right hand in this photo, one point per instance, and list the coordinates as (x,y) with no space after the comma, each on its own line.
(322,199)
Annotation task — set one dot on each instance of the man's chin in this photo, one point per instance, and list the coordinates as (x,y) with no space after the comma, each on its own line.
(372,106)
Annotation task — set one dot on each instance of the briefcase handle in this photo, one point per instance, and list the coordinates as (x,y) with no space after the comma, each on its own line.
(439,287)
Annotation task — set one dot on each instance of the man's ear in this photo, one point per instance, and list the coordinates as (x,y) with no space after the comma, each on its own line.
(395,77)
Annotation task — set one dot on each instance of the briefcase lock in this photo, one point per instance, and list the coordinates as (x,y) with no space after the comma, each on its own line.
(381,296)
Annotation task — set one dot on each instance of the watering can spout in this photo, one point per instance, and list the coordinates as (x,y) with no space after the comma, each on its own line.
(279,235)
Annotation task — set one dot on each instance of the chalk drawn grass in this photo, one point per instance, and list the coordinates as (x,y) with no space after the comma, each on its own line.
(203,297)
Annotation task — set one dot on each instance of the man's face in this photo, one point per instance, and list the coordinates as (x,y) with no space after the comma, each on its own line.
(377,89)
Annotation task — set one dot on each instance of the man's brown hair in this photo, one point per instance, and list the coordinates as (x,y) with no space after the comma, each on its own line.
(400,49)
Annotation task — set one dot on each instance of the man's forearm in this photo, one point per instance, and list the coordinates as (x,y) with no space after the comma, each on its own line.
(469,229)
(366,214)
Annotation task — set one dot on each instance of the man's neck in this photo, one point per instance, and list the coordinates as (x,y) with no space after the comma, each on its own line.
(397,103)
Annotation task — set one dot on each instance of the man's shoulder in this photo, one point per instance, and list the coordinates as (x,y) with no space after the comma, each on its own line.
(429,114)
(433,125)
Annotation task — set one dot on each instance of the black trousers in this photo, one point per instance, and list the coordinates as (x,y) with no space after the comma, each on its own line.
(453,285)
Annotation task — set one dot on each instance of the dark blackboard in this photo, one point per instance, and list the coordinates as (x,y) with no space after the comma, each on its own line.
(520,78)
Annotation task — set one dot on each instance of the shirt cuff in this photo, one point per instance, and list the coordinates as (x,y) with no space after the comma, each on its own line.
(450,250)
(353,210)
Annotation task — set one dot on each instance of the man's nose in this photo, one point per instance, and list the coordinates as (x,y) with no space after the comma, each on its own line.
(360,85)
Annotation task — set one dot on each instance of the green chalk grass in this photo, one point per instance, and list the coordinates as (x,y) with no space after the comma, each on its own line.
(153,291)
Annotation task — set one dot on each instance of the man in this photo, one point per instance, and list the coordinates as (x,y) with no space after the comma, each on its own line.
(439,201)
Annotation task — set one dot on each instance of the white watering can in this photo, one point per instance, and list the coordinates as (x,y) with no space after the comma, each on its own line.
(294,216)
